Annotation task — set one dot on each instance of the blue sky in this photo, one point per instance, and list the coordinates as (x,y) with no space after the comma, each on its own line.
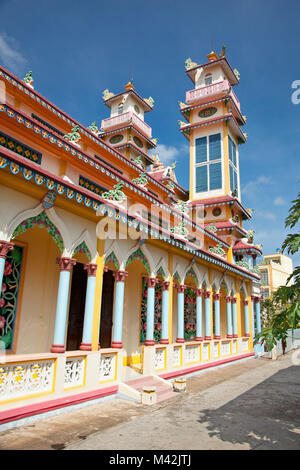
(77,49)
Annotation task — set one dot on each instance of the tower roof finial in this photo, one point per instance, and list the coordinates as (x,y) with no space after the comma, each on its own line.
(129,85)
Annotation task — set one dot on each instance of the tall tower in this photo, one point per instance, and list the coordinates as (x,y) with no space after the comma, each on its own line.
(126,129)
(214,128)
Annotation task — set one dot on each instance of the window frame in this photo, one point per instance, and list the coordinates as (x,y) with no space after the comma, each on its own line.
(207,163)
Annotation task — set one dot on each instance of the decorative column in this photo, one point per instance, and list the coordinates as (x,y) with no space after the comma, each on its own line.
(246,313)
(257,314)
(252,312)
(118,308)
(5,247)
(217,334)
(180,313)
(207,315)
(234,318)
(164,339)
(229,316)
(86,344)
(259,346)
(199,293)
(65,266)
(151,282)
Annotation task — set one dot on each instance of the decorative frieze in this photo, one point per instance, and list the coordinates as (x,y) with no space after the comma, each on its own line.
(28,378)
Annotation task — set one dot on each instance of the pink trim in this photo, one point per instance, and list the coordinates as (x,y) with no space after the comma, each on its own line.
(207,338)
(198,338)
(49,405)
(85,347)
(149,342)
(58,348)
(151,282)
(116,344)
(120,275)
(164,341)
(217,337)
(179,340)
(204,366)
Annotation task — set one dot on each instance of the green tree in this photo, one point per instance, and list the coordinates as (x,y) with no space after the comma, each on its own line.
(283,308)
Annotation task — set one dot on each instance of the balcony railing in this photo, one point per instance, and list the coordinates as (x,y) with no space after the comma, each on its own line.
(126,118)
(233,95)
(210,90)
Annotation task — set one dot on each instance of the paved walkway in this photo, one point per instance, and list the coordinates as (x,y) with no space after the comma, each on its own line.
(253,404)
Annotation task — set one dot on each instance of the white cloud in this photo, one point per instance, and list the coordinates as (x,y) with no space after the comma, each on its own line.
(266,215)
(253,187)
(169,153)
(279,201)
(9,55)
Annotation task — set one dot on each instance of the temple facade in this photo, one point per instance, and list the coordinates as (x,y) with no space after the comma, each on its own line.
(111,271)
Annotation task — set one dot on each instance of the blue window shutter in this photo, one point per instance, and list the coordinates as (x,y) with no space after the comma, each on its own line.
(201,150)
(201,179)
(215,147)
(215,176)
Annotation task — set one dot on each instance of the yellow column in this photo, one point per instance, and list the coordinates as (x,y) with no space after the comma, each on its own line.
(226,159)
(98,294)
(192,146)
(211,307)
(238,308)
(170,267)
(250,322)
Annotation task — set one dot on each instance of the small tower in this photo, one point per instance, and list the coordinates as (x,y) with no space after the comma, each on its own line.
(126,129)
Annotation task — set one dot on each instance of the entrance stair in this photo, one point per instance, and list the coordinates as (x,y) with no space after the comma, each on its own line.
(164,389)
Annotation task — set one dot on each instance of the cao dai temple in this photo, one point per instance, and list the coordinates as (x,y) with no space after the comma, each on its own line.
(113,275)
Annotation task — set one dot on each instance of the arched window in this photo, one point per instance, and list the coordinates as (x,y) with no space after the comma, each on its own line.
(208,79)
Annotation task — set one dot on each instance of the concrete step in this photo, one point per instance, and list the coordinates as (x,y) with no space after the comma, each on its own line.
(163,390)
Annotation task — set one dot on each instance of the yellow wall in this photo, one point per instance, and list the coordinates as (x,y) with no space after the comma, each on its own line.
(38,302)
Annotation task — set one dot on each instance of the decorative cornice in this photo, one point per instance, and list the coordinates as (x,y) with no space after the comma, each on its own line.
(151,282)
(120,275)
(65,264)
(91,269)
(165,285)
(206,294)
(216,296)
(181,288)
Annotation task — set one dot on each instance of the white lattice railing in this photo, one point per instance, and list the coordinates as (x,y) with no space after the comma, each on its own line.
(176,356)
(107,367)
(225,348)
(245,344)
(160,359)
(74,372)
(192,353)
(26,378)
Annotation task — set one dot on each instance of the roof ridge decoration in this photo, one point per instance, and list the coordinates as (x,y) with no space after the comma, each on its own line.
(116,194)
(93,128)
(218,250)
(149,101)
(189,64)
(73,136)
(28,79)
(106,94)
(141,180)
(180,229)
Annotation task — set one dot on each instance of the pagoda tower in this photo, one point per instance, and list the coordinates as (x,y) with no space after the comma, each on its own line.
(214,130)
(125,129)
